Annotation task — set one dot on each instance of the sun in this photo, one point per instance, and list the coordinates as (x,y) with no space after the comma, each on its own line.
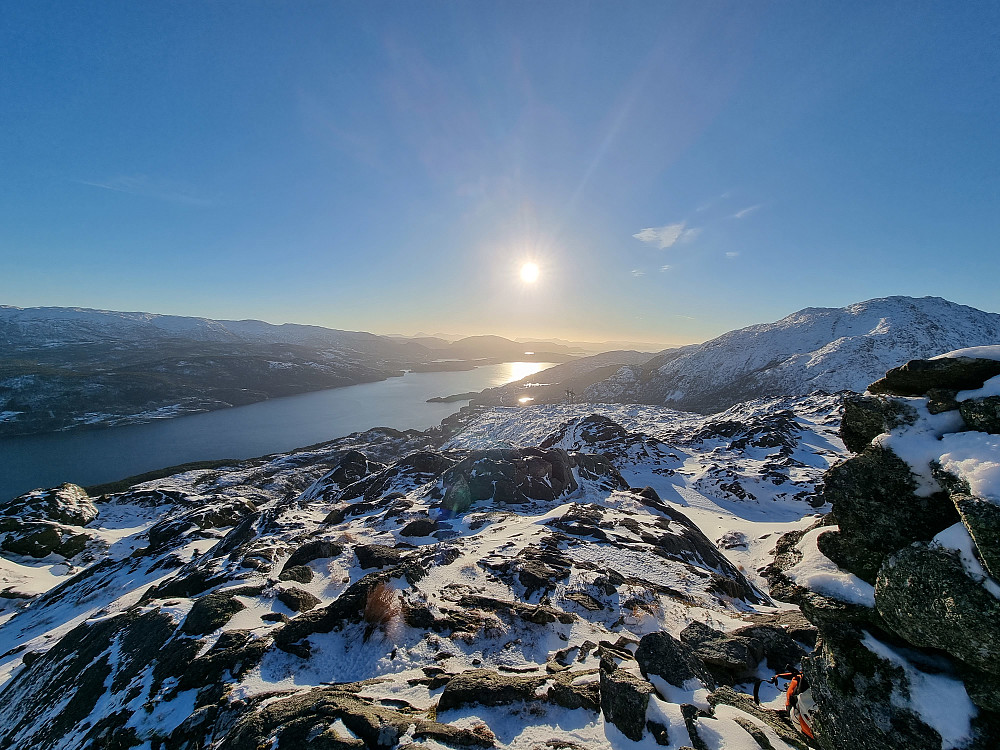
(529,273)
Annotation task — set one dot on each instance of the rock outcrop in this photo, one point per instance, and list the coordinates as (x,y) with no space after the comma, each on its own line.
(898,578)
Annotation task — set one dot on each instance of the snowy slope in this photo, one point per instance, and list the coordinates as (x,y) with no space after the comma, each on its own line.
(815,349)
(216,594)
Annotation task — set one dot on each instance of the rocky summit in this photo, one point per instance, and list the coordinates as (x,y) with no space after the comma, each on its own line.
(559,576)
(899,576)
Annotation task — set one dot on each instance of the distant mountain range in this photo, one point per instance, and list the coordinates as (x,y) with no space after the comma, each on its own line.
(66,367)
(815,349)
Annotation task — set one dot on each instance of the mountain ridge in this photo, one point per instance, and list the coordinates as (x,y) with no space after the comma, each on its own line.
(813,349)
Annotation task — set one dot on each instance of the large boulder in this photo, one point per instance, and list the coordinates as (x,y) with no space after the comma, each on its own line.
(624,700)
(918,376)
(867,417)
(875,501)
(663,655)
(508,476)
(925,595)
(728,657)
(869,696)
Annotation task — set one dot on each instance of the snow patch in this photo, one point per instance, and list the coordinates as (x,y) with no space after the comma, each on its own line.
(817,572)
(940,701)
(957,538)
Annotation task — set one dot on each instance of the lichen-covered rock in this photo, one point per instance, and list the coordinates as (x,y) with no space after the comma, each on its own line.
(918,376)
(624,699)
(377,555)
(297,573)
(926,596)
(982,414)
(875,502)
(662,654)
(419,527)
(39,539)
(866,417)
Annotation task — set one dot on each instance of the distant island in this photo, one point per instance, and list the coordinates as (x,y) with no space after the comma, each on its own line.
(453,398)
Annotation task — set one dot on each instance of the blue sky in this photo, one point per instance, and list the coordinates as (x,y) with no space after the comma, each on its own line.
(676,169)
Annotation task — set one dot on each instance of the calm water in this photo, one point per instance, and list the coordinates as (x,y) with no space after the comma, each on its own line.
(97,456)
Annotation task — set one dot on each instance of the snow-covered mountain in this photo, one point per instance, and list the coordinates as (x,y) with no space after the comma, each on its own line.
(58,326)
(815,349)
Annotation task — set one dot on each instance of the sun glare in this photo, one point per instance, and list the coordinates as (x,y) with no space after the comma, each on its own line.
(529,273)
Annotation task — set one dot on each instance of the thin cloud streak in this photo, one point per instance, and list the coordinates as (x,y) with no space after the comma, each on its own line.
(146,187)
(743,213)
(668,235)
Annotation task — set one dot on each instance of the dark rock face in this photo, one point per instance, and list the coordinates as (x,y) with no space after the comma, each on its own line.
(485,687)
(43,522)
(316,550)
(307,719)
(728,657)
(78,666)
(662,654)
(377,556)
(965,622)
(210,613)
(188,523)
(297,573)
(352,468)
(851,687)
(918,376)
(776,644)
(624,699)
(297,600)
(418,528)
(508,476)
(865,492)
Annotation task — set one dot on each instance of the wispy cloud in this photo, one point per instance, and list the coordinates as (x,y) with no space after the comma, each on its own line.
(665,268)
(637,272)
(733,254)
(667,236)
(745,212)
(147,187)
